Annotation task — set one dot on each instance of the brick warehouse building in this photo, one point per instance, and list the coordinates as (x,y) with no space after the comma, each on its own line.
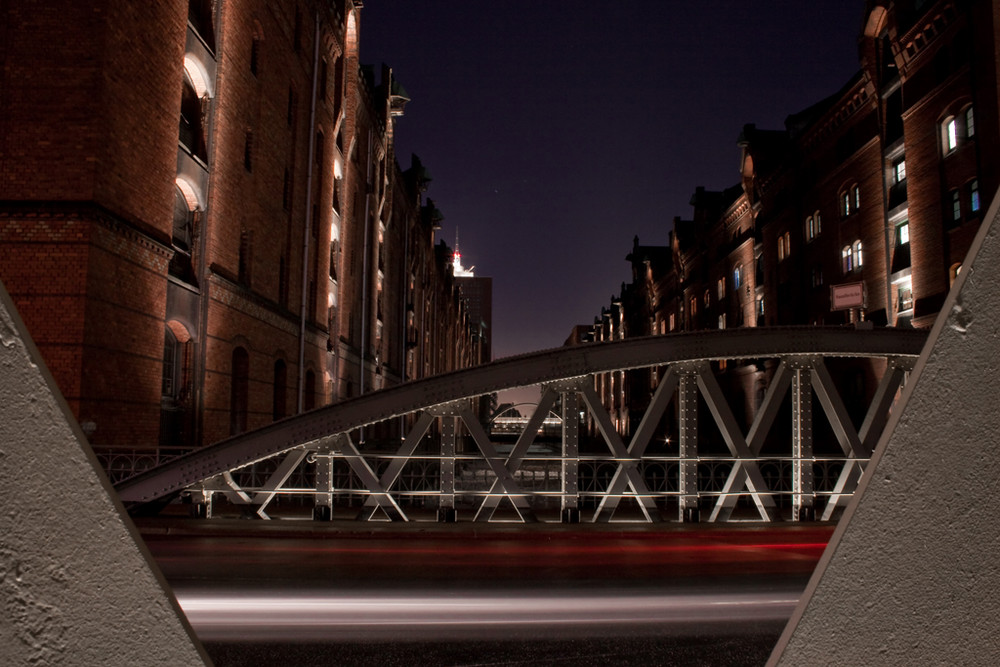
(202,221)
(876,191)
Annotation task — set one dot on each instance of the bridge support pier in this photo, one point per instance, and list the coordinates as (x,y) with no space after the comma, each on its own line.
(803,483)
(687,398)
(446,508)
(323,500)
(570,457)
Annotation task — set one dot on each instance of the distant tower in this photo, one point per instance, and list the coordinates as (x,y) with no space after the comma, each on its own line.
(456,261)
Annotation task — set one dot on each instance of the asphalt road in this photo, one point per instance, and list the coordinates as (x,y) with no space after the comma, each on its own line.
(303,593)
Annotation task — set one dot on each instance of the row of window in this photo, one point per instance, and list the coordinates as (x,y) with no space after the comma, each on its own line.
(851,257)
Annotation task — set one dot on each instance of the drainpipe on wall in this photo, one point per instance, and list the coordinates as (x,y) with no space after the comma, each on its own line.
(308,228)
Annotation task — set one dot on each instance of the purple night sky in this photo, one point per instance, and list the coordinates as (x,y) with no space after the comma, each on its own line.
(555,131)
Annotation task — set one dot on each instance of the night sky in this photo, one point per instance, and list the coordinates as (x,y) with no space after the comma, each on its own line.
(557,130)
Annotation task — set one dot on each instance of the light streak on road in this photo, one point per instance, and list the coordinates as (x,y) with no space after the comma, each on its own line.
(375,615)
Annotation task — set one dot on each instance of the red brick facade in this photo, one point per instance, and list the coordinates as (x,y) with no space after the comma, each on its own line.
(884,183)
(188,281)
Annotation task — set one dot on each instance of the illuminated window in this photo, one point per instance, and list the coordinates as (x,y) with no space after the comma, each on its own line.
(904,296)
(673,321)
(899,171)
(784,246)
(847,259)
(812,227)
(737,276)
(722,321)
(720,288)
(858,257)
(903,233)
(950,135)
(974,196)
(760,311)
(856,196)
(693,309)
(845,204)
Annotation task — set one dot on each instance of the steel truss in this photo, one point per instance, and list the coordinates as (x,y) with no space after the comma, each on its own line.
(470,473)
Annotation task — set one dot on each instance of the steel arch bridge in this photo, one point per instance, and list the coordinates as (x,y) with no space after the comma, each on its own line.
(434,417)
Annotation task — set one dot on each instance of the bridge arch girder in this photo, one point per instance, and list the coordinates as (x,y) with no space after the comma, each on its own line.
(561,367)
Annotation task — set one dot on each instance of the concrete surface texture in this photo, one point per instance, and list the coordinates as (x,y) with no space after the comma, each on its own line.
(77,585)
(912,572)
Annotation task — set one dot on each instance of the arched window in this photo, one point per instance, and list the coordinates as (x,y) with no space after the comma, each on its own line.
(858,257)
(949,134)
(239,398)
(280,391)
(847,259)
(171,365)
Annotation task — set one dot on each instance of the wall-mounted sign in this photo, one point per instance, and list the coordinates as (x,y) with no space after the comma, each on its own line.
(848,295)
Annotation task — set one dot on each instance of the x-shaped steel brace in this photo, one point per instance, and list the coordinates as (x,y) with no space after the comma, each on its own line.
(627,474)
(344,446)
(517,454)
(859,445)
(395,467)
(745,473)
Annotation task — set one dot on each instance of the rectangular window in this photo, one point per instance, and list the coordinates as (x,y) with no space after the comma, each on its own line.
(970,123)
(974,196)
(956,206)
(857,198)
(903,233)
(899,171)
(673,321)
(951,135)
(722,321)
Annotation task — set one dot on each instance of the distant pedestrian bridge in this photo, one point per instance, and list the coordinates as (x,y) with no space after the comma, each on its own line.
(750,423)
